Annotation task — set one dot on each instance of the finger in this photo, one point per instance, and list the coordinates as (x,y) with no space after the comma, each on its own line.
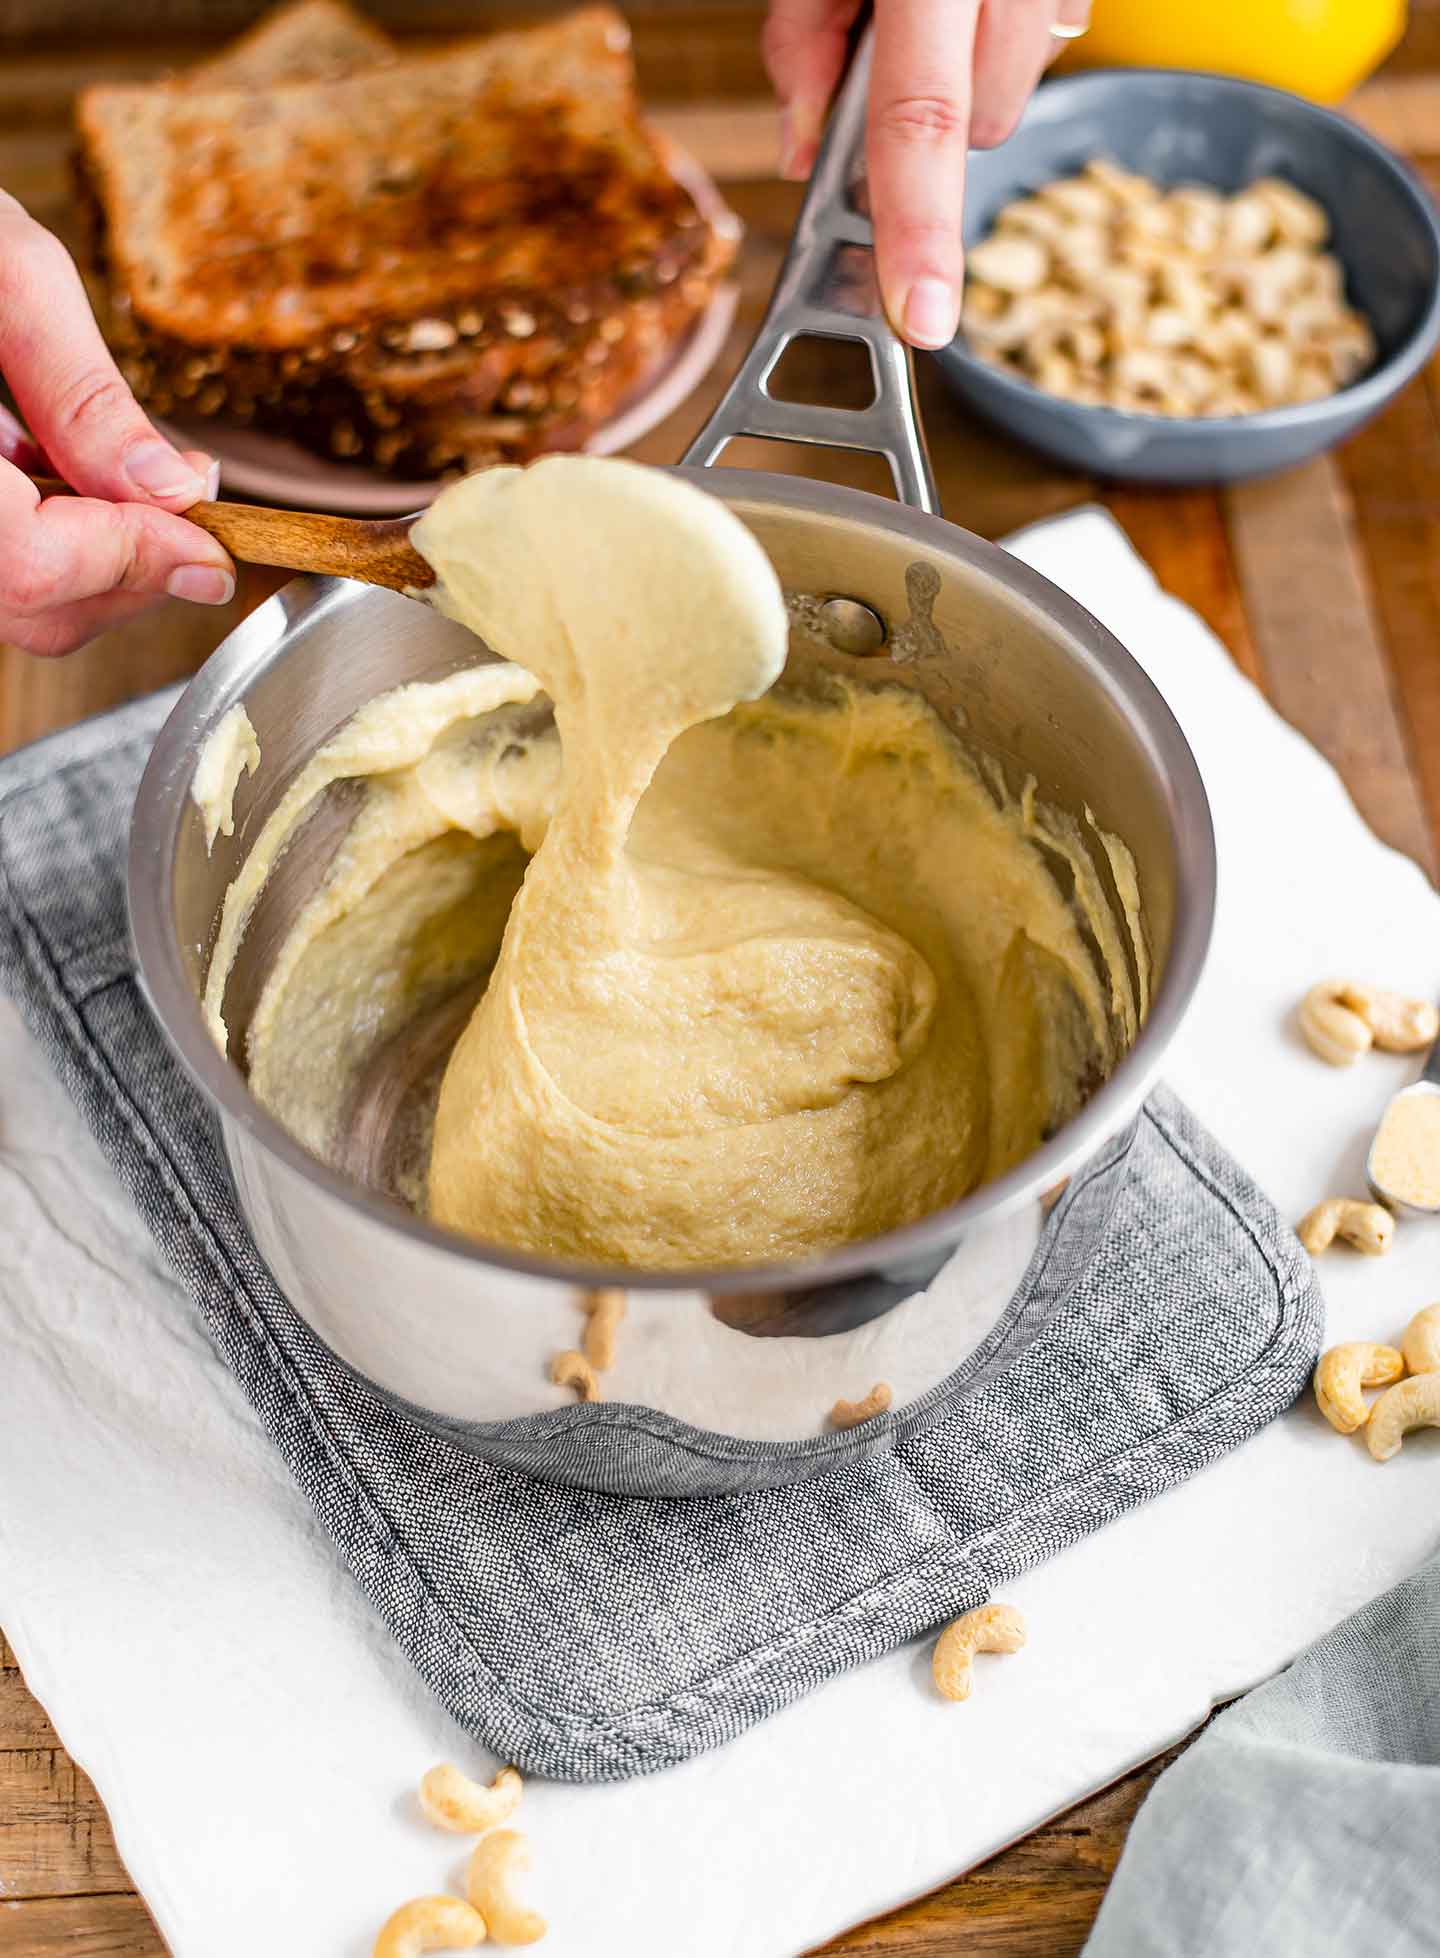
(71,548)
(1072,19)
(65,383)
(804,43)
(207,467)
(915,147)
(1013,46)
(53,634)
(17,447)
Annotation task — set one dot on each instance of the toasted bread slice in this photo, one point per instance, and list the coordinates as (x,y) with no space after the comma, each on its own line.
(275,218)
(310,41)
(508,371)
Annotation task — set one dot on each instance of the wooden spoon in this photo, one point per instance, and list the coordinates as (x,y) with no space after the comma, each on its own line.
(377,553)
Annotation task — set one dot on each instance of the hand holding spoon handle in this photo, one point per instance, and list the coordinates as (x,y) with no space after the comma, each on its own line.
(375,553)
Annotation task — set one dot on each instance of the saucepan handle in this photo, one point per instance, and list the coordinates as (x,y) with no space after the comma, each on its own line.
(827,287)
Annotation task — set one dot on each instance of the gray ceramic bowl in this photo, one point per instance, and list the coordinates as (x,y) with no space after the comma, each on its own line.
(1177,127)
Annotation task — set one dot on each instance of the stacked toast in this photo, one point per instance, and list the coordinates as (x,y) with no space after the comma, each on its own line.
(428,262)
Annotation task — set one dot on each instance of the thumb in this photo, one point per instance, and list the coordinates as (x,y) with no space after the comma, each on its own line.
(69,549)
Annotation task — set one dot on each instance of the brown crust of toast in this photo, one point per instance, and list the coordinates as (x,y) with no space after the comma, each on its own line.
(492,395)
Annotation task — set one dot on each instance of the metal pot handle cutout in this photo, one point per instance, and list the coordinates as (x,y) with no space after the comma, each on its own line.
(827,288)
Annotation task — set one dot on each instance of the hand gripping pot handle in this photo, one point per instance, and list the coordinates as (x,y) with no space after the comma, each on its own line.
(827,288)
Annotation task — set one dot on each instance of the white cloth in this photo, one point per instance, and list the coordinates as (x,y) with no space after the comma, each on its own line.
(256,1737)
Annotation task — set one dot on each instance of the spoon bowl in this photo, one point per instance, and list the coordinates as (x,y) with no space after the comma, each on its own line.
(1417,1106)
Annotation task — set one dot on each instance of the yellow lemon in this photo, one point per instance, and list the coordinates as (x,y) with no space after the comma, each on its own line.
(1319,48)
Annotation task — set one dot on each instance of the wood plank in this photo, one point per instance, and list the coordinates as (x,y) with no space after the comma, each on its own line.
(1181,535)
(168,644)
(735,141)
(65,1886)
(55,1838)
(987,482)
(1402,110)
(23,1722)
(684,49)
(1391,470)
(1037,1899)
(206,23)
(1311,609)
(79,1927)
(1419,51)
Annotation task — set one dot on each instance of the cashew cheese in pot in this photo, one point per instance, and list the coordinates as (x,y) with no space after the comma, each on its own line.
(758,966)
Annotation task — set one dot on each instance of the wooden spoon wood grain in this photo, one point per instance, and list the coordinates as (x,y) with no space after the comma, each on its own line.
(377,553)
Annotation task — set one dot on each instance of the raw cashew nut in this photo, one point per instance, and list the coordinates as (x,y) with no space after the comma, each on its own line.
(451,1800)
(1421,1344)
(1270,370)
(1343,1019)
(1233,293)
(497,1858)
(1247,224)
(991,1628)
(1122,187)
(1350,348)
(1343,1371)
(1415,1403)
(1298,218)
(1010,261)
(1332,1028)
(430,1924)
(1030,216)
(1076,200)
(571,1369)
(1400,1025)
(604,1309)
(849,1414)
(1368,1226)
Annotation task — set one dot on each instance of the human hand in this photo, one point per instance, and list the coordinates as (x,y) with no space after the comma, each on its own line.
(946,75)
(71,566)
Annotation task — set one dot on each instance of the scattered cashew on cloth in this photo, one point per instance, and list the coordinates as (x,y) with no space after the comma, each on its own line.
(1405,1404)
(450,1799)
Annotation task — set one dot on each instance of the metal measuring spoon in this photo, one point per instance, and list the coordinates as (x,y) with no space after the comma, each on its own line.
(1426,1088)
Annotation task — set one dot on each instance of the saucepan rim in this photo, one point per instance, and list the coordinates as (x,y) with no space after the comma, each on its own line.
(163,798)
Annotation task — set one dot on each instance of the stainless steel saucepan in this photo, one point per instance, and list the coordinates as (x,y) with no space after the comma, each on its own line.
(723,1380)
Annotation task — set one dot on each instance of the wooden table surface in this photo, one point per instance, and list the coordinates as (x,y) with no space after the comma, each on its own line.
(1324,584)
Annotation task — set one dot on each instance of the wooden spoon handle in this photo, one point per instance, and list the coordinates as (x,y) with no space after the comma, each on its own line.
(301,540)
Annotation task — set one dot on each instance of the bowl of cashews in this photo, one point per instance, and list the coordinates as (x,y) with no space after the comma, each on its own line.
(1185,278)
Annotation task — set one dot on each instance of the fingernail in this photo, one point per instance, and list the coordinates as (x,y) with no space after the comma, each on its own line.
(155,468)
(930,314)
(202,584)
(212,482)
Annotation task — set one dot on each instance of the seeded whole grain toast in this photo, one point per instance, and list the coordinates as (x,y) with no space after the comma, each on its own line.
(429,262)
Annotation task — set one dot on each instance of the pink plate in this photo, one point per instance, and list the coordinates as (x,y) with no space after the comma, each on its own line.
(280,471)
